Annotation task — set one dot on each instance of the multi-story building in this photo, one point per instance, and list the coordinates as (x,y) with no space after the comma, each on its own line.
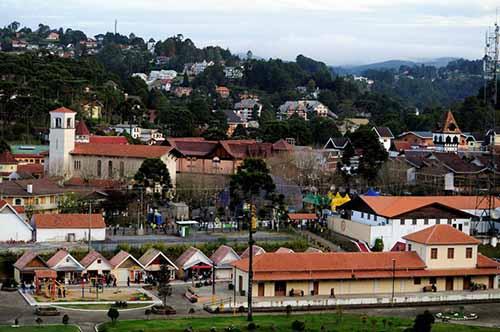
(304,109)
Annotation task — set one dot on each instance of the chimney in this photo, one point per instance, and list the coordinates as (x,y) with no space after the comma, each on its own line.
(29,188)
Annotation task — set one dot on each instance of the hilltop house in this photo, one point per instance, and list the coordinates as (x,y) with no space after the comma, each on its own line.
(248,109)
(439,258)
(304,109)
(385,136)
(222,259)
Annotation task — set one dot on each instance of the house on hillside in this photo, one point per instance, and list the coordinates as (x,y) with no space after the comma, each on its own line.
(413,140)
(222,258)
(304,109)
(390,218)
(69,227)
(153,259)
(248,109)
(385,136)
(442,259)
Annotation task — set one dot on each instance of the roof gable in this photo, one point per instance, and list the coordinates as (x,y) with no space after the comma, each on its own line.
(63,260)
(191,257)
(122,257)
(30,259)
(440,235)
(149,256)
(224,255)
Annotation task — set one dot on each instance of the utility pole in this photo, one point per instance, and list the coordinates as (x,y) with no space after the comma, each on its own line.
(393,279)
(251,221)
(90,226)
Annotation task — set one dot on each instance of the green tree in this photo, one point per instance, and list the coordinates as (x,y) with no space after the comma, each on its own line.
(164,286)
(153,172)
(373,154)
(251,180)
(423,322)
(113,314)
(323,129)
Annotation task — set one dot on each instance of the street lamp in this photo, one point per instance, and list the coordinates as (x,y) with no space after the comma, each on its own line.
(393,279)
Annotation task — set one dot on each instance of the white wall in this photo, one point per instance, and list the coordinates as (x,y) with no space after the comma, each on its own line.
(14,228)
(391,230)
(61,235)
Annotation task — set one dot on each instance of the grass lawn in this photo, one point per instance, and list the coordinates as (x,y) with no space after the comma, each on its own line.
(102,306)
(265,323)
(44,328)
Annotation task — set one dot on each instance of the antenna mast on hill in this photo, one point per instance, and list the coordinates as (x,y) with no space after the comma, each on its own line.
(491,67)
(116,26)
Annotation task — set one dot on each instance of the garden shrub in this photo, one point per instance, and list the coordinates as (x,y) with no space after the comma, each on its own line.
(298,325)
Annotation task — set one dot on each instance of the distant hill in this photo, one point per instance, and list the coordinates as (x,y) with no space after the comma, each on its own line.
(390,64)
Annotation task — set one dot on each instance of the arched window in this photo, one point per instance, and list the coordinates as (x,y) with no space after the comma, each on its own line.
(455,140)
(122,169)
(110,169)
(448,139)
(18,201)
(99,168)
(58,123)
(68,123)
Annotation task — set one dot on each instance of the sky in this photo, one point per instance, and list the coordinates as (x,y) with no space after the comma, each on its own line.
(338,32)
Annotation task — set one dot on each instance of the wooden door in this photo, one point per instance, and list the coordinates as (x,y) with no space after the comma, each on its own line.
(491,280)
(449,283)
(261,289)
(280,288)
(316,288)
(467,281)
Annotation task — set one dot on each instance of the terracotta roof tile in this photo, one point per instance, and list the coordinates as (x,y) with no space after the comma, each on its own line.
(27,257)
(74,220)
(6,157)
(62,110)
(81,129)
(283,250)
(441,234)
(57,257)
(332,262)
(91,257)
(221,253)
(393,206)
(302,216)
(256,252)
(30,168)
(121,150)
(97,139)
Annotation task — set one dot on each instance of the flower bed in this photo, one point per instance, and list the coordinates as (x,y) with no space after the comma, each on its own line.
(455,315)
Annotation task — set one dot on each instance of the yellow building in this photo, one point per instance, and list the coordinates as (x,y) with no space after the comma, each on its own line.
(438,258)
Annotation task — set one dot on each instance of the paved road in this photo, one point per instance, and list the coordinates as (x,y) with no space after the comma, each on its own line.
(134,240)
(13,306)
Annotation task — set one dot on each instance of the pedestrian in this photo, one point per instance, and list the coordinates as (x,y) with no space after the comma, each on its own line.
(23,287)
(114,281)
(64,292)
(128,281)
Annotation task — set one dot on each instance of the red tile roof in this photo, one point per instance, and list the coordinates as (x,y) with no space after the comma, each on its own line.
(94,183)
(91,257)
(30,169)
(441,234)
(96,139)
(74,220)
(18,209)
(81,129)
(221,253)
(27,257)
(120,257)
(331,262)
(62,110)
(302,216)
(6,157)
(283,250)
(393,206)
(121,150)
(256,252)
(57,257)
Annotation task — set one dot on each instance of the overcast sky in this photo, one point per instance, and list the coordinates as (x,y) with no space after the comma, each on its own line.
(334,31)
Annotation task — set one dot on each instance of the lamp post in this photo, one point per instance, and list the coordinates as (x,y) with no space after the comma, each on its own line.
(393,279)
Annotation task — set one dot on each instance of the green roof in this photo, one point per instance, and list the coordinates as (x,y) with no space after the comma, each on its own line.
(28,149)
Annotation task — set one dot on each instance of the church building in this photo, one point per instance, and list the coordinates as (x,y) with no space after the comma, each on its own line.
(446,137)
(70,156)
